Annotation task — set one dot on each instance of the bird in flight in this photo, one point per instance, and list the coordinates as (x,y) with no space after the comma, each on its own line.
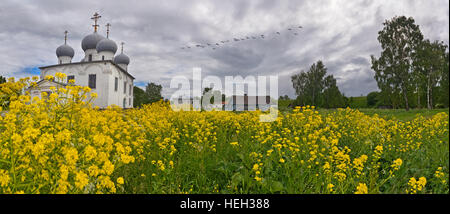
(216,45)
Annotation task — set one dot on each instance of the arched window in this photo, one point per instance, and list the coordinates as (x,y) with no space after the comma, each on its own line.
(124,102)
(90,57)
(103,58)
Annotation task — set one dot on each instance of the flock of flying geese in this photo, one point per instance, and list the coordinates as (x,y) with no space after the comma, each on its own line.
(214,46)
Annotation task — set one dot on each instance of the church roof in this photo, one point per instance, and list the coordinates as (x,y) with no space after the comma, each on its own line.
(65,50)
(122,59)
(106,45)
(90,41)
(99,61)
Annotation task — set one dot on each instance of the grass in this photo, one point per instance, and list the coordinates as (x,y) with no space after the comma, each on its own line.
(358,102)
(394,114)
(402,114)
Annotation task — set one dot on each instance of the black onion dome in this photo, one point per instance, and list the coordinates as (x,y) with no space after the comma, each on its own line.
(65,50)
(106,45)
(90,41)
(122,59)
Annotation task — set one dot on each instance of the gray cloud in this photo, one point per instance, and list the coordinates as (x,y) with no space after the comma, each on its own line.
(341,34)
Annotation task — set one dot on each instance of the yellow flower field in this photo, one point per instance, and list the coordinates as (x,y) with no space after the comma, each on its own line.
(61,144)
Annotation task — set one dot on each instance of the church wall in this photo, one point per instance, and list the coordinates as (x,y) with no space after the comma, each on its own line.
(81,73)
(108,55)
(64,59)
(116,97)
(105,81)
(95,55)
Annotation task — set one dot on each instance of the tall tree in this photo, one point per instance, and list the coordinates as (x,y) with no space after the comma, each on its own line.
(314,88)
(140,97)
(332,97)
(444,83)
(300,84)
(399,39)
(429,63)
(372,99)
(316,84)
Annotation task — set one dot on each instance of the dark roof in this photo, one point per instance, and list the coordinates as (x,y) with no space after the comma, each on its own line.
(97,61)
(42,80)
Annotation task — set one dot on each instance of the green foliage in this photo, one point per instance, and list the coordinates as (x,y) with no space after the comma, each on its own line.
(151,94)
(285,97)
(411,72)
(2,79)
(284,104)
(332,97)
(209,94)
(372,99)
(399,40)
(401,114)
(139,97)
(357,102)
(429,63)
(444,83)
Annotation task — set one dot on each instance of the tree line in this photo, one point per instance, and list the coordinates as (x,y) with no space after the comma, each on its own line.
(411,72)
(151,94)
(315,87)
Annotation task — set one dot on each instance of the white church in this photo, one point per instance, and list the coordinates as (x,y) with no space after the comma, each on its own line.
(100,69)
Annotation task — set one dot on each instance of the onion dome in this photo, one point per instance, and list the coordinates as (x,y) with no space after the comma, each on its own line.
(65,50)
(106,45)
(122,59)
(91,41)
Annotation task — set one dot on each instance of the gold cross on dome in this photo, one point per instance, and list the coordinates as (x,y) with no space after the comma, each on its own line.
(95,17)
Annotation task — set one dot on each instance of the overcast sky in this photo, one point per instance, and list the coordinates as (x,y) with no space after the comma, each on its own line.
(343,34)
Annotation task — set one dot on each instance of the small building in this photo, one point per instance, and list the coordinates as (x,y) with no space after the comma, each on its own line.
(247,103)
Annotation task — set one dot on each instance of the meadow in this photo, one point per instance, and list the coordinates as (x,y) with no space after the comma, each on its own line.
(60,144)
